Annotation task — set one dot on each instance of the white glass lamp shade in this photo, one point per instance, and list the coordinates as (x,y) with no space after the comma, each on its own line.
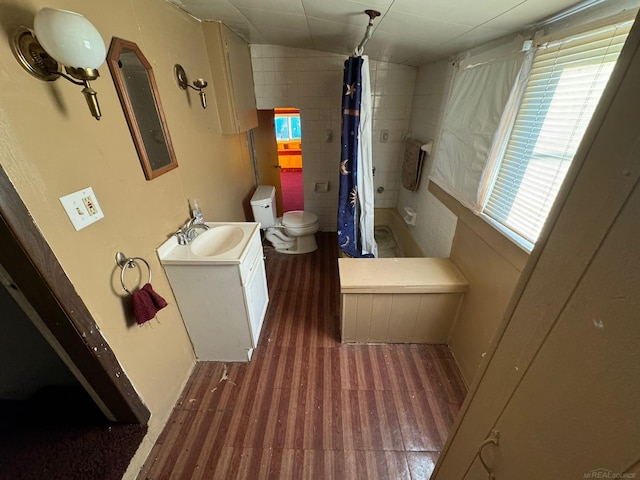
(69,38)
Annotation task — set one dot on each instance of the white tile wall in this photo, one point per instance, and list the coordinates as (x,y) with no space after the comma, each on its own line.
(312,81)
(435,225)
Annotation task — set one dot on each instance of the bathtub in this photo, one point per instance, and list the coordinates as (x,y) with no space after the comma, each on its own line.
(408,299)
(389,219)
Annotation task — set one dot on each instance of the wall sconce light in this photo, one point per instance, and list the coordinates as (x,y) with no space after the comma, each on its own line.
(198,84)
(65,37)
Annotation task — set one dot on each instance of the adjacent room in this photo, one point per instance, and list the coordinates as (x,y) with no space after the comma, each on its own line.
(302,239)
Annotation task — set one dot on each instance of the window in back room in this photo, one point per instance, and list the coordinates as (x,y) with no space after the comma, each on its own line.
(289,140)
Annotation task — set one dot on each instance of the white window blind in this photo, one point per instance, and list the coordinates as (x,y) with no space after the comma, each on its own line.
(566,82)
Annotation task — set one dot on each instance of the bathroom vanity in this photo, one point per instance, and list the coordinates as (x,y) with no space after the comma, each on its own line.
(220,285)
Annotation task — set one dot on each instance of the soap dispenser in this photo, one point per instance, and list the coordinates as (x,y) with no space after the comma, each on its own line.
(196,213)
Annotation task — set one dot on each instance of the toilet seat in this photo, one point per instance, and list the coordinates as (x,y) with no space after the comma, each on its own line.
(299,218)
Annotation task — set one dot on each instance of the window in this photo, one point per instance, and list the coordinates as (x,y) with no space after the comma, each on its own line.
(287,125)
(566,82)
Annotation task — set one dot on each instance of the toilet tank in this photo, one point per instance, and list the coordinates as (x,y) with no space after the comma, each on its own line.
(263,205)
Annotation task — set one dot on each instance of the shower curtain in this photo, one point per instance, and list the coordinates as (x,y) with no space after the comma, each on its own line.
(355,201)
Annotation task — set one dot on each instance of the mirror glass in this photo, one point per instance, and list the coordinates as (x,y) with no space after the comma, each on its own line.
(136,86)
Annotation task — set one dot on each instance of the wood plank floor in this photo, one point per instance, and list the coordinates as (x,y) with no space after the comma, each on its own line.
(306,406)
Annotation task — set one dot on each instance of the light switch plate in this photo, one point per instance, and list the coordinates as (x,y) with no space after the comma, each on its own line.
(82,207)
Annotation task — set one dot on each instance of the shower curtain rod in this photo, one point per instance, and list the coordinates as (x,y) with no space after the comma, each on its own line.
(367,34)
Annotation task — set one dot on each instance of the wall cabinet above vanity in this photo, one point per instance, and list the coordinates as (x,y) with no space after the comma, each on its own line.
(232,78)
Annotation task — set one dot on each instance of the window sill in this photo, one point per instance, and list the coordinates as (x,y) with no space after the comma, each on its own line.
(521,242)
(508,247)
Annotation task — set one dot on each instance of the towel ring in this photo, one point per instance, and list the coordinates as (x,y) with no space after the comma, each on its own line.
(123,261)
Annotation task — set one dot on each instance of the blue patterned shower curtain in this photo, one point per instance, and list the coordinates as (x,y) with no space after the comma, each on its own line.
(355,201)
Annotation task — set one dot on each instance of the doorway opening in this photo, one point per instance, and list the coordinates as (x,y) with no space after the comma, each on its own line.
(49,422)
(288,133)
(33,277)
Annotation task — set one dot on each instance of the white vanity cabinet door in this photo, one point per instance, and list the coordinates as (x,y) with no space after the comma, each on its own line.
(212,304)
(256,296)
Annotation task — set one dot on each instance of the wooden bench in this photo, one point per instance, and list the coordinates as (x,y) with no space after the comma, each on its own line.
(399,300)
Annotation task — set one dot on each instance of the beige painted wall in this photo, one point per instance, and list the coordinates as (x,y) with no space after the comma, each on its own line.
(51,146)
(492,279)
(492,264)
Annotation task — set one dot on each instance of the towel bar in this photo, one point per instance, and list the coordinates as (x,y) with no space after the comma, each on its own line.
(123,262)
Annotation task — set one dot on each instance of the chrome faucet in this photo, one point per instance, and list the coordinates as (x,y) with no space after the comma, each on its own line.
(189,231)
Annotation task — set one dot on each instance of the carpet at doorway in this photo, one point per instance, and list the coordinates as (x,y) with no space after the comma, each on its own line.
(292,189)
(59,435)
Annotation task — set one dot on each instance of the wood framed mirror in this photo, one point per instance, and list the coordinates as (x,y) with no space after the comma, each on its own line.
(138,93)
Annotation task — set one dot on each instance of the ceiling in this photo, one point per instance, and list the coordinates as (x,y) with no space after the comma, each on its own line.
(410,32)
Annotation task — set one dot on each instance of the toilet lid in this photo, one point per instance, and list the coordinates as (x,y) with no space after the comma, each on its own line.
(298,218)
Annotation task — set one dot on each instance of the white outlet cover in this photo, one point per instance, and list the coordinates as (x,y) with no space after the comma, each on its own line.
(75,207)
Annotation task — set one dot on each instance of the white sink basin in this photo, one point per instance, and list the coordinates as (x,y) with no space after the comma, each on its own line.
(224,243)
(217,240)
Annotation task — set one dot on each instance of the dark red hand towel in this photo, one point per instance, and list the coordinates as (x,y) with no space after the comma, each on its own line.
(146,304)
(157,300)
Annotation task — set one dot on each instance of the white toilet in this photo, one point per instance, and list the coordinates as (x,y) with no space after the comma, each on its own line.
(294,233)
